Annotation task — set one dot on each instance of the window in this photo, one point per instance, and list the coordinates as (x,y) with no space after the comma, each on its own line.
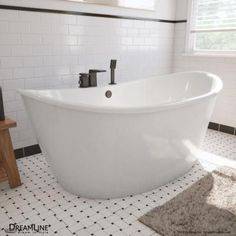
(212,26)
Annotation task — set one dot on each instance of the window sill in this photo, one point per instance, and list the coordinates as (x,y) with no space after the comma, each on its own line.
(219,55)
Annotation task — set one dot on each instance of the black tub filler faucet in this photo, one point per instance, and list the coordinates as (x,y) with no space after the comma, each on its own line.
(90,79)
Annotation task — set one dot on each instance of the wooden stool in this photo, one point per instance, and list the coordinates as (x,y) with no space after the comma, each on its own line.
(8,166)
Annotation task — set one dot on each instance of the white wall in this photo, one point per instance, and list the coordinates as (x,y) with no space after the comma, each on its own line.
(225,67)
(43,50)
(181,9)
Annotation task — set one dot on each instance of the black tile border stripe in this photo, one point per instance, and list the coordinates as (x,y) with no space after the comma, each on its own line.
(222,128)
(18,8)
(27,151)
(213,126)
(35,149)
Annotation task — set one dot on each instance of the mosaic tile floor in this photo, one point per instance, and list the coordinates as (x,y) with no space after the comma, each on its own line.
(220,144)
(41,200)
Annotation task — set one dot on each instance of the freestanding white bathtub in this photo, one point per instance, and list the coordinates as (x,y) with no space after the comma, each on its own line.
(140,138)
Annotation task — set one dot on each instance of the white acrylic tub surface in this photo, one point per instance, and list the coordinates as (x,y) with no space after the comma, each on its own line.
(140,138)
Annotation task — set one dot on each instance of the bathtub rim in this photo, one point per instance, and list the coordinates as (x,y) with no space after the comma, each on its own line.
(217,87)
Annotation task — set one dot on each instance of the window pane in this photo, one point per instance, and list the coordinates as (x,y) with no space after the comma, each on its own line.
(210,14)
(216,41)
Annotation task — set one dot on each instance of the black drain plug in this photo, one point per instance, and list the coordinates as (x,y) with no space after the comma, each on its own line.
(108,93)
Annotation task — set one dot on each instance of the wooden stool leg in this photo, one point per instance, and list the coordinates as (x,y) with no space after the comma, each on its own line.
(9,160)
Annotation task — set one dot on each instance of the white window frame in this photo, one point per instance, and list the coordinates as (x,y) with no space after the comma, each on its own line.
(190,37)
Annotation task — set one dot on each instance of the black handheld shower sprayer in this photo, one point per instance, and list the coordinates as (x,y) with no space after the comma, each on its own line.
(113,67)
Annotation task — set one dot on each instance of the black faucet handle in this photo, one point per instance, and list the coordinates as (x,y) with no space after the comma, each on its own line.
(96,71)
(113,64)
(84,80)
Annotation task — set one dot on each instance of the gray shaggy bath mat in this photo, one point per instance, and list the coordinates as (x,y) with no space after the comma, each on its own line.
(208,207)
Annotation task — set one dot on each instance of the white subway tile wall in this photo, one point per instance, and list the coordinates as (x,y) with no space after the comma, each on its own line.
(45,50)
(224,67)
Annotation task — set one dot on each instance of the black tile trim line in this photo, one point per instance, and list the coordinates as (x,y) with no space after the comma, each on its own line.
(222,128)
(18,8)
(27,151)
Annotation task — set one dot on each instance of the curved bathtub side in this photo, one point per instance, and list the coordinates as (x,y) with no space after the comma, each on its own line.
(101,155)
(144,96)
